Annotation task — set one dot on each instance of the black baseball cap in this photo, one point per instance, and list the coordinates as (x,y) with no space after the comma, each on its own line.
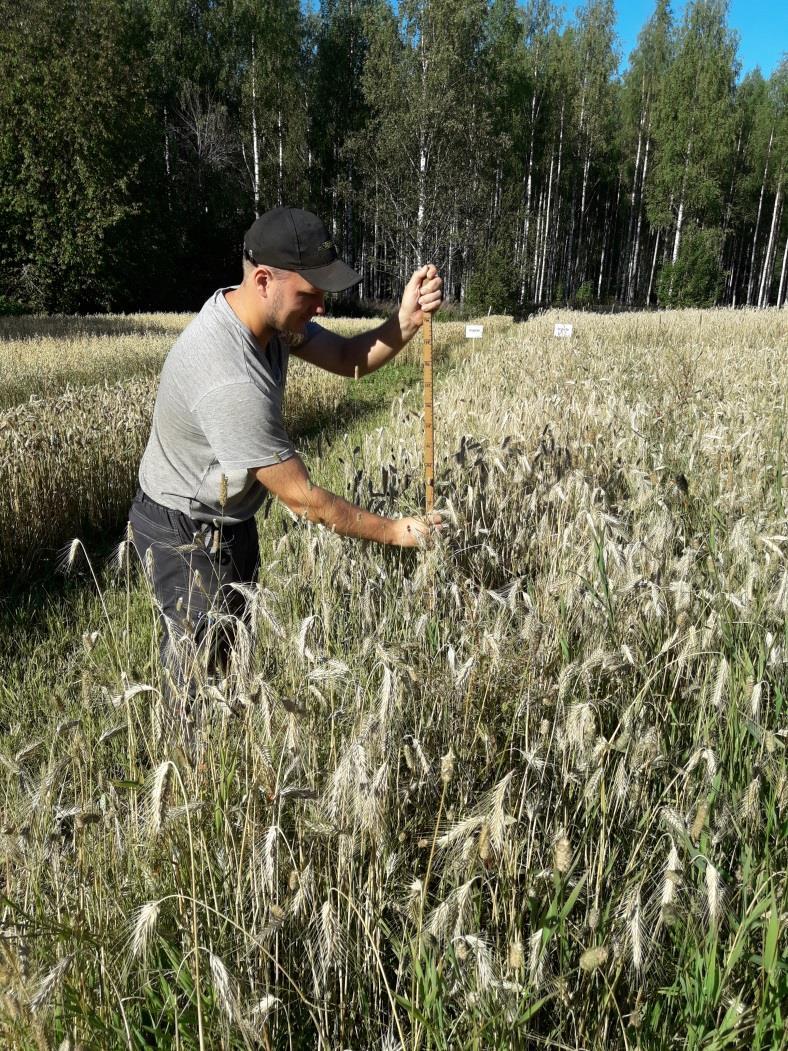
(292,239)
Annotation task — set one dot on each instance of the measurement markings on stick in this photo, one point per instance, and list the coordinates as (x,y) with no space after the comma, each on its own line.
(429,440)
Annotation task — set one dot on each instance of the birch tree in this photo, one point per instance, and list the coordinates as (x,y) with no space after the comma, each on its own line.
(692,126)
(642,88)
(269,44)
(423,147)
(778,99)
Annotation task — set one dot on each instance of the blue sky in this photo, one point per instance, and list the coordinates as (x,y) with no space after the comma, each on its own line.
(762,26)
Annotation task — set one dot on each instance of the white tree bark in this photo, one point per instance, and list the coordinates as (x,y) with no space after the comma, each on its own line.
(680,216)
(422,200)
(167,157)
(634,262)
(768,263)
(781,297)
(281,174)
(539,237)
(677,237)
(543,267)
(608,225)
(255,140)
(375,246)
(632,199)
(653,269)
(602,256)
(542,229)
(528,191)
(751,281)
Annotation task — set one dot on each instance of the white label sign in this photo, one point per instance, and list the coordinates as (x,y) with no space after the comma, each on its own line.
(474,331)
(563,331)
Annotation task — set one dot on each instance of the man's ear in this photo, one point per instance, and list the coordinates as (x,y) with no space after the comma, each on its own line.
(263,279)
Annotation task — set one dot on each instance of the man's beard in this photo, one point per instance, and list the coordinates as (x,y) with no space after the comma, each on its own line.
(292,339)
(287,336)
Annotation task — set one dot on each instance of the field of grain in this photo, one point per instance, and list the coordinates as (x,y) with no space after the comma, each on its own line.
(524,788)
(76,400)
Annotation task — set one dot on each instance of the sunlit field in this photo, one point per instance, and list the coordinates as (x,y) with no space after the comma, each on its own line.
(75,408)
(523,788)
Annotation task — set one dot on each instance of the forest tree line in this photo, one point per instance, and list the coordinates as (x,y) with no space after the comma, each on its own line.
(139,138)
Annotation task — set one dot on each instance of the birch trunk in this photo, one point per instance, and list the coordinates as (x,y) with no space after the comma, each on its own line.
(677,237)
(653,269)
(735,271)
(167,158)
(680,216)
(634,264)
(549,203)
(580,267)
(766,271)
(450,263)
(280,174)
(751,281)
(731,191)
(362,288)
(522,257)
(632,200)
(422,200)
(781,299)
(542,230)
(349,217)
(539,239)
(607,226)
(528,192)
(255,140)
(602,256)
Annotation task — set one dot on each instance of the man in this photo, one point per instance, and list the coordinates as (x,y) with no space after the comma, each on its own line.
(218,444)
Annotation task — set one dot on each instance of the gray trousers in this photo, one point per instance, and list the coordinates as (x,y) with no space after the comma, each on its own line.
(192,566)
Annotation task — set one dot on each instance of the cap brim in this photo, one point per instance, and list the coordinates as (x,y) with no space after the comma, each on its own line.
(335,277)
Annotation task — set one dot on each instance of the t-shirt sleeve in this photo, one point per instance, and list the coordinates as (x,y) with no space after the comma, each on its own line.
(244,426)
(310,331)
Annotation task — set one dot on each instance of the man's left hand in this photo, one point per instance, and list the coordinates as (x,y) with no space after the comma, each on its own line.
(423,295)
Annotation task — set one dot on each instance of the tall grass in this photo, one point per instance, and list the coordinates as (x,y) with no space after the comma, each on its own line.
(525,788)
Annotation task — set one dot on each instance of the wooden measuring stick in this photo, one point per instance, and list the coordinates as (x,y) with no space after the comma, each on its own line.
(429,434)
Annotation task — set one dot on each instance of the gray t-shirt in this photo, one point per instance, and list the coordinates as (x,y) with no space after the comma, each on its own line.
(218,412)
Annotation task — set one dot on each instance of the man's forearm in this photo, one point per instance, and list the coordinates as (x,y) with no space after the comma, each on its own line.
(347,519)
(369,350)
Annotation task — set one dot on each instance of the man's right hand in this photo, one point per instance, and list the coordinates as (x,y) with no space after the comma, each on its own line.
(417,532)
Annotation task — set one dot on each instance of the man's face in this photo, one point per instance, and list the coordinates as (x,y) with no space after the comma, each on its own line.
(294,301)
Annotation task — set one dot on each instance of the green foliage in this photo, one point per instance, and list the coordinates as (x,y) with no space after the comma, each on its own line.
(693,119)
(584,296)
(74,138)
(696,278)
(493,285)
(138,139)
(10,307)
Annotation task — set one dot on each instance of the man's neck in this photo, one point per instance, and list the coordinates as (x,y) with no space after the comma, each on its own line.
(238,301)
